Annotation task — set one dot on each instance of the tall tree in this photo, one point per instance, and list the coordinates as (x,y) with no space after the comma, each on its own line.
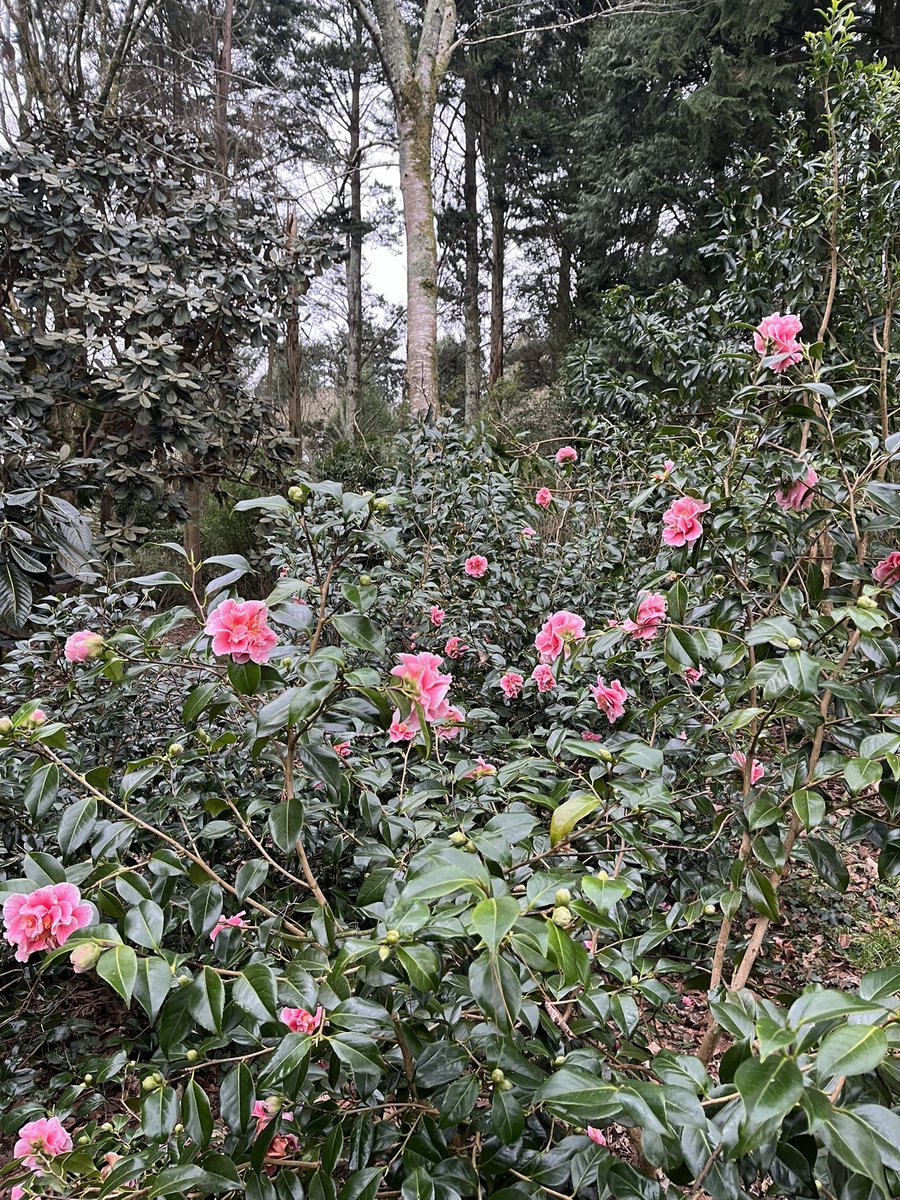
(414,79)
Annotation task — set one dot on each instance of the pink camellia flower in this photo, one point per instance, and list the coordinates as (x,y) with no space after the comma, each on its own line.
(421,680)
(342,749)
(437,615)
(476,566)
(596,1135)
(82,645)
(479,772)
(757,770)
(452,723)
(680,519)
(799,494)
(887,572)
(692,674)
(44,1137)
(778,335)
(528,532)
(668,468)
(610,698)
(264,1110)
(455,647)
(588,735)
(544,678)
(650,615)
(400,731)
(238,628)
(543,497)
(223,923)
(44,919)
(511,683)
(566,454)
(298,1020)
(282,1145)
(38,717)
(558,635)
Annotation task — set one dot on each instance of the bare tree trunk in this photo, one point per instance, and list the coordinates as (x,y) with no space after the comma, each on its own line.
(292,353)
(353,398)
(471,306)
(494,119)
(497,207)
(223,87)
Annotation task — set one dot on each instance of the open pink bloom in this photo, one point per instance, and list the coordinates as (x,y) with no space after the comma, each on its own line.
(798,495)
(455,648)
(238,628)
(223,923)
(44,1137)
(528,532)
(483,768)
(610,698)
(566,454)
(680,520)
(82,645)
(595,1135)
(692,674)
(778,335)
(757,770)
(668,468)
(264,1110)
(44,919)
(588,735)
(650,615)
(543,498)
(342,749)
(887,572)
(452,723)
(476,566)
(298,1020)
(421,680)
(558,635)
(437,615)
(511,683)
(400,731)
(544,678)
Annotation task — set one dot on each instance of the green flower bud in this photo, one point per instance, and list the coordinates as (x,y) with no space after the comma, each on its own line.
(603,875)
(88,1078)
(392,937)
(506,1086)
(183,980)
(175,749)
(605,755)
(497,1075)
(365,580)
(298,494)
(470,846)
(635,979)
(561,916)
(381,503)
(563,896)
(6,725)
(559,1060)
(458,838)
(84,1140)
(794,644)
(178,1129)
(866,602)
(718,580)
(84,957)
(709,909)
(192,1055)
(158,1077)
(107,1127)
(384,953)
(149,1084)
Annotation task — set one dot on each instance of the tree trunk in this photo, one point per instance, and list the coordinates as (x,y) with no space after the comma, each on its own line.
(292,352)
(471,306)
(497,205)
(415,128)
(353,397)
(223,87)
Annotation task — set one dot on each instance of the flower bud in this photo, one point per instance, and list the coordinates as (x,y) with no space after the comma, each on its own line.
(635,979)
(365,580)
(563,896)
(470,846)
(561,916)
(88,1078)
(559,1060)
(84,957)
(506,1086)
(384,953)
(107,1127)
(794,644)
(149,1084)
(603,875)
(178,1129)
(392,937)
(183,980)
(718,580)
(192,1055)
(709,909)
(175,749)
(497,1075)
(458,838)
(866,602)
(84,1140)
(298,494)
(604,755)
(381,503)
(6,725)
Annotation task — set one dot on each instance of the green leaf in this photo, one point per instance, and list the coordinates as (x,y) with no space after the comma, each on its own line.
(579,1096)
(41,791)
(450,871)
(250,876)
(851,1143)
(880,984)
(761,894)
(118,967)
(362,1184)
(605,891)
(826,1005)
(195,1113)
(457,1101)
(157,579)
(360,632)
(206,999)
(152,984)
(198,701)
(285,823)
(422,965)
(418,1185)
(809,807)
(292,1053)
(255,991)
(177,1180)
(496,990)
(567,815)
(774,630)
(851,1050)
(205,908)
(507,1117)
(144,924)
(494,918)
(159,1114)
(244,677)
(681,649)
(76,824)
(769,1088)
(828,863)
(861,773)
(236,1097)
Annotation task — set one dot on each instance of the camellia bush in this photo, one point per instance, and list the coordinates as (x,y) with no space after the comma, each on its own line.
(401,882)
